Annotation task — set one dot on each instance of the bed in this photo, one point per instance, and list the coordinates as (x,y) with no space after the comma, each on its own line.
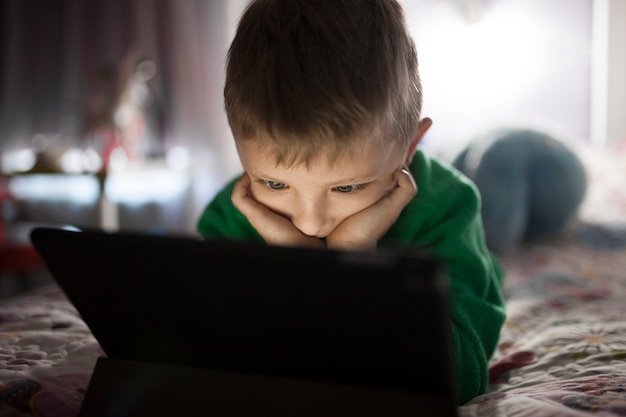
(562,350)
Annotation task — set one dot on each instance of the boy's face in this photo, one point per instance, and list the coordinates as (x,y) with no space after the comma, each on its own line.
(318,197)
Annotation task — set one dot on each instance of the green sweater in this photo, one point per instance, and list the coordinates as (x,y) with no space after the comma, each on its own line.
(443,219)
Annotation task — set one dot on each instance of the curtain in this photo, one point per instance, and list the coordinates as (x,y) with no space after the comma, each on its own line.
(65,64)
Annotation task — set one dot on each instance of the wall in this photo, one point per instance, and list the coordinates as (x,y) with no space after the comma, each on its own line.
(608,101)
(486,62)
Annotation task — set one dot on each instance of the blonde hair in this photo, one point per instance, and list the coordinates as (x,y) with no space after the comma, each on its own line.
(322,75)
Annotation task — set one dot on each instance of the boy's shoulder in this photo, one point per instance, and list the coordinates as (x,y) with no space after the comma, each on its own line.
(435,174)
(447,203)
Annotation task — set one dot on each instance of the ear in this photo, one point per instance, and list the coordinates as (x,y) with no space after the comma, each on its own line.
(422,128)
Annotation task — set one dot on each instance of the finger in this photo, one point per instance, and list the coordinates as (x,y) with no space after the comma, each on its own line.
(405,179)
(241,194)
(242,186)
(406,189)
(245,202)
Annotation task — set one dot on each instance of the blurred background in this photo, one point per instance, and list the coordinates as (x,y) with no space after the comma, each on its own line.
(111,111)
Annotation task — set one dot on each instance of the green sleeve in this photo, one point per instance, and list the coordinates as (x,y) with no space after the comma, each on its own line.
(444,220)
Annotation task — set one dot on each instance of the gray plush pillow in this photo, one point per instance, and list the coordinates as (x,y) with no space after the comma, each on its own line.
(530,182)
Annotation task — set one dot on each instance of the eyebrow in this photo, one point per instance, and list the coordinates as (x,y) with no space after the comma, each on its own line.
(371,174)
(349,181)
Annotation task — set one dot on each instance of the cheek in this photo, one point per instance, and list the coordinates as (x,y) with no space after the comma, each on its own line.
(368,198)
(346,207)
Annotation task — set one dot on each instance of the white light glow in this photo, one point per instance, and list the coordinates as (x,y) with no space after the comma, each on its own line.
(525,61)
(80,189)
(20,160)
(141,187)
(492,62)
(118,159)
(178,158)
(71,161)
(91,160)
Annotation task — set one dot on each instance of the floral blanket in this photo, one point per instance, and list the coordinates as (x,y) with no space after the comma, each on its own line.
(562,351)
(47,354)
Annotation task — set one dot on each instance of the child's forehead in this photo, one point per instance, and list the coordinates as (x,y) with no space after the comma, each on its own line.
(314,151)
(266,151)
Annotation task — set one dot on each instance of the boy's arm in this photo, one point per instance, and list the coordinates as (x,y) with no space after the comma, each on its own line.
(476,300)
(444,220)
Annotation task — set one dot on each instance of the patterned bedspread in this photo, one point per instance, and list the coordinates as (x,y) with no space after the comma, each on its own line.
(562,350)
(47,354)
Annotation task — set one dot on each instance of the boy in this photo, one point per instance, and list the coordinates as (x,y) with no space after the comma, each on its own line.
(324,100)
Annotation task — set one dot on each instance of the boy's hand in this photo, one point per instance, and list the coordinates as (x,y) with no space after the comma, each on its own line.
(362,230)
(273,228)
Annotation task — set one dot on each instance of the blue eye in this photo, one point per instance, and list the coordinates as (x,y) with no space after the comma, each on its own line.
(345,189)
(275,185)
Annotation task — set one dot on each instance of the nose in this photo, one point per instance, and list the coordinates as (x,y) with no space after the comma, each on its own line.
(311,217)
